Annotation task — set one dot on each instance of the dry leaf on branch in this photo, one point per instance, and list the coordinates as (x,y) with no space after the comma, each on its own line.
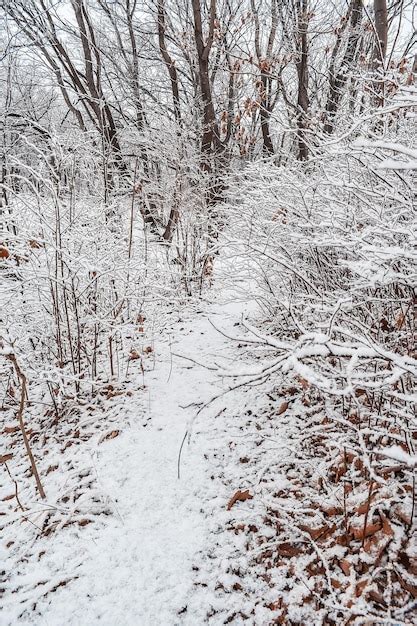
(134,355)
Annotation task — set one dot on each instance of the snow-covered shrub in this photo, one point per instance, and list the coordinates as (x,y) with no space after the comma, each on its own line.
(84,288)
(333,246)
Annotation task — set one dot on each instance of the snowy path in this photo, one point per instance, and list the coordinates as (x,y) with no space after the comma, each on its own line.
(138,569)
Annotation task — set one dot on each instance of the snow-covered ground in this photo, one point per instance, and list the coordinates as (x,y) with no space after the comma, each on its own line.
(140,566)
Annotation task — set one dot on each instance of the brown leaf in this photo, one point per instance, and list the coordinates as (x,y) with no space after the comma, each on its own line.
(11,429)
(4,253)
(315,533)
(239,496)
(400,320)
(84,522)
(360,586)
(331,510)
(407,586)
(134,355)
(392,469)
(359,532)
(111,435)
(315,569)
(282,408)
(403,516)
(386,526)
(373,544)
(360,392)
(5,457)
(336,584)
(376,596)
(362,508)
(303,382)
(345,566)
(288,549)
(384,324)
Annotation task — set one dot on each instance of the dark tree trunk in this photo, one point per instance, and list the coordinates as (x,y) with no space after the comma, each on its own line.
(338,80)
(302,73)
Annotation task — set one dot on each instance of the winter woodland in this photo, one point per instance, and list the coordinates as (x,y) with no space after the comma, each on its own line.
(208,312)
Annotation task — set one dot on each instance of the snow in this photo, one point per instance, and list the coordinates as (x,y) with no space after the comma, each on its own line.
(138,567)
(398,454)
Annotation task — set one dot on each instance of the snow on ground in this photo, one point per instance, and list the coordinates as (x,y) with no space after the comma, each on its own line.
(140,566)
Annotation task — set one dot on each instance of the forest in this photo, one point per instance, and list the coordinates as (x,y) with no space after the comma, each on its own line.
(208,312)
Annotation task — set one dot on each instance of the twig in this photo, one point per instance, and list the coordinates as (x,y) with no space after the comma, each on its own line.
(23,384)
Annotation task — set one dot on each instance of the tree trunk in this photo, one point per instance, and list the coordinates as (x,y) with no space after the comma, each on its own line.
(381,33)
(302,73)
(337,81)
(380,49)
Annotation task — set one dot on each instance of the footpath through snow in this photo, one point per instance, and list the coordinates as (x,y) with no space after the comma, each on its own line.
(139,568)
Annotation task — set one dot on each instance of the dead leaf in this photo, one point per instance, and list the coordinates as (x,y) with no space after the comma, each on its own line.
(360,392)
(402,515)
(336,584)
(386,526)
(412,589)
(4,253)
(359,532)
(239,496)
(288,549)
(10,429)
(384,324)
(282,408)
(373,544)
(400,320)
(362,508)
(360,587)
(376,596)
(331,510)
(5,457)
(84,522)
(111,435)
(303,382)
(315,533)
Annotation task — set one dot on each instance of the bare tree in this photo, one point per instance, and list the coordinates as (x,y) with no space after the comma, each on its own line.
(168,60)
(41,29)
(265,63)
(210,139)
(339,77)
(303,101)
